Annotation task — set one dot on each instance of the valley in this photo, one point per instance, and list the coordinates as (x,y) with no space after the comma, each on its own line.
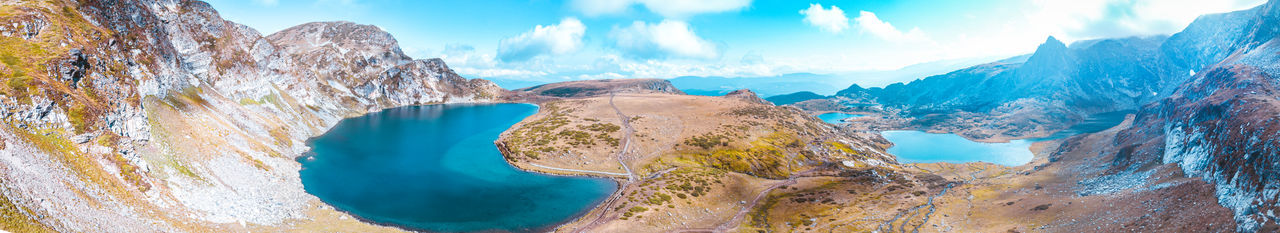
(162,116)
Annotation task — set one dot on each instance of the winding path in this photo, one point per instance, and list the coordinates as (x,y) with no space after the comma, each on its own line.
(626,138)
(631,177)
(733,223)
(738,217)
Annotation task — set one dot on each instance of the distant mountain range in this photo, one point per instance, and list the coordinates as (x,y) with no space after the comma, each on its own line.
(1087,77)
(766,86)
(794,98)
(822,84)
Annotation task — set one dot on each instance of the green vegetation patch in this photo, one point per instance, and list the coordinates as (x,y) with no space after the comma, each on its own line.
(766,157)
(21,58)
(281,135)
(537,137)
(601,127)
(186,99)
(708,140)
(79,117)
(633,211)
(576,138)
(18,219)
(760,112)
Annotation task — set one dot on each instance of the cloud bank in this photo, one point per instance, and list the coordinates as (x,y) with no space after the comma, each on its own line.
(869,23)
(667,39)
(561,38)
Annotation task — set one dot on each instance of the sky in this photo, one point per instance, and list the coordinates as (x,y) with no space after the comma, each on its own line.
(557,40)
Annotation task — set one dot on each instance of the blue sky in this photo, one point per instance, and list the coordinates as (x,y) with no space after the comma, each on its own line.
(552,40)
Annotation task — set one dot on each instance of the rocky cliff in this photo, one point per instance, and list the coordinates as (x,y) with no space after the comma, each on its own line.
(1222,124)
(141,115)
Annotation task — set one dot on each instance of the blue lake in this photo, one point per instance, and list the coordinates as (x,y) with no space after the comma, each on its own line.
(922,147)
(1092,124)
(836,117)
(435,168)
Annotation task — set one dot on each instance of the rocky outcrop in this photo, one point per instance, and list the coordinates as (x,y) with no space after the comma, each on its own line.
(747,95)
(158,115)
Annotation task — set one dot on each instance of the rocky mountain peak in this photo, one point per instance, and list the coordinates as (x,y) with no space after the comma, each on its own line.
(1050,46)
(748,95)
(366,40)
(1050,59)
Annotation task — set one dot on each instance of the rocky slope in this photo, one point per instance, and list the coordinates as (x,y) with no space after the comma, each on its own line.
(1206,100)
(140,115)
(1222,125)
(1056,84)
(1222,128)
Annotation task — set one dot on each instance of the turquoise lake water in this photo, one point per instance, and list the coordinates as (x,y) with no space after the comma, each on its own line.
(435,168)
(835,117)
(922,147)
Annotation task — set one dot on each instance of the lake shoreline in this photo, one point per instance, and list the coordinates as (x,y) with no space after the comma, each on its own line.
(374,218)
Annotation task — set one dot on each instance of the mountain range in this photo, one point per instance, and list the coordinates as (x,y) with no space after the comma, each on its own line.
(1205,99)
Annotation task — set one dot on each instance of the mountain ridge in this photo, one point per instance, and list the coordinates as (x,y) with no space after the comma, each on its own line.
(162,116)
(1205,100)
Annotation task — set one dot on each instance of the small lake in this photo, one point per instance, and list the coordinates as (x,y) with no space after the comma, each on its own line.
(922,147)
(836,117)
(1092,124)
(435,168)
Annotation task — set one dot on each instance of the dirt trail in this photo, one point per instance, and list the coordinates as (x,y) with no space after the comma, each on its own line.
(631,177)
(888,226)
(579,171)
(733,223)
(626,138)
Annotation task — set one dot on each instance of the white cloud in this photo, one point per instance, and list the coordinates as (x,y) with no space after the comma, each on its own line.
(666,39)
(829,20)
(562,38)
(869,23)
(666,8)
(1088,19)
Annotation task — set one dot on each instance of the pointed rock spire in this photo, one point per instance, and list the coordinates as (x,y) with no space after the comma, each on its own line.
(1051,44)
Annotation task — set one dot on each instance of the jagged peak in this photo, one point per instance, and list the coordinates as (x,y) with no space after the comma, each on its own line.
(1051,43)
(1052,54)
